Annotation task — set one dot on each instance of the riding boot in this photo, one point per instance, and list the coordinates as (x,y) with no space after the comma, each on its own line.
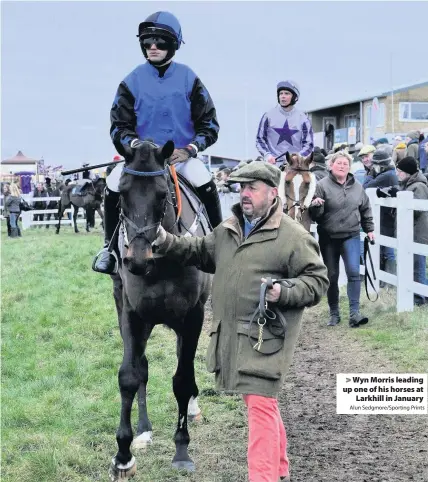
(208,194)
(106,261)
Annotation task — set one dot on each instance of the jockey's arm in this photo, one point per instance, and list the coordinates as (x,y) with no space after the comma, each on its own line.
(307,138)
(123,120)
(261,139)
(204,117)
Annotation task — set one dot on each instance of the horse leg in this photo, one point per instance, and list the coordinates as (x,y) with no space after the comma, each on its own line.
(184,384)
(75,213)
(100,214)
(123,464)
(61,210)
(88,220)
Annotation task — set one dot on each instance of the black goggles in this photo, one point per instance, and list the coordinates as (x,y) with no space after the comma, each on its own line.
(159,42)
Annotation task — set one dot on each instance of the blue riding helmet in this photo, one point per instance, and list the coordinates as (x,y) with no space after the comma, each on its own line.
(163,24)
(291,86)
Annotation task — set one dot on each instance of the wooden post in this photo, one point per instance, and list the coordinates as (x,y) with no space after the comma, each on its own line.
(404,251)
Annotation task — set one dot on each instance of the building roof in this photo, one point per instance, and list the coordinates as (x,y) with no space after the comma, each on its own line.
(403,88)
(20,158)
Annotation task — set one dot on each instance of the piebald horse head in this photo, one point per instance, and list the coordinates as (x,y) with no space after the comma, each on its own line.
(297,188)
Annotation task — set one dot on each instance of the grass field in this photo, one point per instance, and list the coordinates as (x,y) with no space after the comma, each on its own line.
(61,350)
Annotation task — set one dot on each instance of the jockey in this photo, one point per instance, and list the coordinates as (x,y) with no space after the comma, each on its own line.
(161,100)
(285,128)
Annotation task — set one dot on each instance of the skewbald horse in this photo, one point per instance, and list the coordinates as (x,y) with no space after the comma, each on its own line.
(297,188)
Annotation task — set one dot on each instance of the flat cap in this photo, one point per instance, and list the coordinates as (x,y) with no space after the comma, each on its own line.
(367,149)
(257,171)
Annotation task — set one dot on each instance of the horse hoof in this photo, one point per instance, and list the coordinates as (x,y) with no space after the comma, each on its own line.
(187,465)
(121,472)
(194,417)
(142,441)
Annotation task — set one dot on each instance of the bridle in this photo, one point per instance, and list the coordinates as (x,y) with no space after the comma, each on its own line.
(141,232)
(296,203)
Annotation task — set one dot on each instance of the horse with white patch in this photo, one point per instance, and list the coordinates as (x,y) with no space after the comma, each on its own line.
(297,188)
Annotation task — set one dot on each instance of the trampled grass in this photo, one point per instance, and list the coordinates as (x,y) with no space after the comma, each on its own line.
(61,350)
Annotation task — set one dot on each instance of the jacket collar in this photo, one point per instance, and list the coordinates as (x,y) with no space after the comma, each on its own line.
(350,180)
(270,221)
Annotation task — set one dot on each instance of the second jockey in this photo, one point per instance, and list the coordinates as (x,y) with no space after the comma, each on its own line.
(161,100)
(285,128)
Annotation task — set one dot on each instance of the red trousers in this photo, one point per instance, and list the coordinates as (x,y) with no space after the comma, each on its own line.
(267,440)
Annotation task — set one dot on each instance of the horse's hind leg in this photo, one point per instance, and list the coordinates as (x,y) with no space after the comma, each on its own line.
(123,464)
(75,213)
(61,210)
(184,384)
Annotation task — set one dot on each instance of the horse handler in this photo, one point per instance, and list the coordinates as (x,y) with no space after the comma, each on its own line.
(257,242)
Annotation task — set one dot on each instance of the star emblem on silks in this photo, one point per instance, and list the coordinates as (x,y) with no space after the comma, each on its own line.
(285,133)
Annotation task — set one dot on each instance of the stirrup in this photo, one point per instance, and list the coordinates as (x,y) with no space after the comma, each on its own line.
(108,257)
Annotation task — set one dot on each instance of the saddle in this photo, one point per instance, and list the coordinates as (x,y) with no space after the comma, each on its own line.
(80,190)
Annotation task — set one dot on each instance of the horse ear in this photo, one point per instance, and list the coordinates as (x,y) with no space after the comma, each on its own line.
(168,149)
(288,157)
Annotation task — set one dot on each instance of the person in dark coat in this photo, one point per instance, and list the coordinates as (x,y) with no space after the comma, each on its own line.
(383,175)
(341,208)
(318,166)
(411,179)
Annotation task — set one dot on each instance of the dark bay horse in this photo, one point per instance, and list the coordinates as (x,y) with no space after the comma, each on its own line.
(149,291)
(297,188)
(89,199)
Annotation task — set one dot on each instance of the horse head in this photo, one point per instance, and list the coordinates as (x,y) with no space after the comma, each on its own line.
(144,190)
(297,185)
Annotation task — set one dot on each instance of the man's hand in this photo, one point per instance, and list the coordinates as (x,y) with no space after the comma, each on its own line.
(371,236)
(161,237)
(270,159)
(272,294)
(317,202)
(179,155)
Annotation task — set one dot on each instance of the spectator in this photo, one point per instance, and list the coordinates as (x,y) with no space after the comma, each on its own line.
(258,241)
(399,152)
(383,175)
(412,180)
(6,194)
(12,204)
(412,142)
(383,145)
(318,166)
(341,207)
(423,149)
(39,192)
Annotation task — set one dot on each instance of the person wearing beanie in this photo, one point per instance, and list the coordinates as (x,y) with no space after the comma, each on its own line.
(284,128)
(382,175)
(318,166)
(161,100)
(411,179)
(412,142)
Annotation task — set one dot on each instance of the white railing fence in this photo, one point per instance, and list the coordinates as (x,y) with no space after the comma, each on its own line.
(403,245)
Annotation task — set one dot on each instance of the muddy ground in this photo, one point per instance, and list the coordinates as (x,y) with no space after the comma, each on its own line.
(327,447)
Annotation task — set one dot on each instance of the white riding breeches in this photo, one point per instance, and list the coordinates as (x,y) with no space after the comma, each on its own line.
(193,170)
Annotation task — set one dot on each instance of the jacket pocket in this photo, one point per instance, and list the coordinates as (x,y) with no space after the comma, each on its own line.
(212,359)
(253,363)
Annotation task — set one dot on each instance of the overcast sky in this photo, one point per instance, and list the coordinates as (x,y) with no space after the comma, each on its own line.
(62,62)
